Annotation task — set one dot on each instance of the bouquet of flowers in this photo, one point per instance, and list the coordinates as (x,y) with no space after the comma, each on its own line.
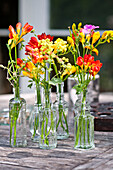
(83,44)
(42,55)
(13,75)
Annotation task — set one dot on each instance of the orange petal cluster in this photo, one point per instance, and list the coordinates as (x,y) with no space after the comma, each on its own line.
(15,37)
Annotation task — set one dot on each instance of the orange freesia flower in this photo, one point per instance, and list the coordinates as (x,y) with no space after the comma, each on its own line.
(12,32)
(26,29)
(29,70)
(16,38)
(18,27)
(96,65)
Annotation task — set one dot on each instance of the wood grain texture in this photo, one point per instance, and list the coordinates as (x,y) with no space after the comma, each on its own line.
(63,157)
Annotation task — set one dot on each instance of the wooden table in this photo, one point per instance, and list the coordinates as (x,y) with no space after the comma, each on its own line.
(64,157)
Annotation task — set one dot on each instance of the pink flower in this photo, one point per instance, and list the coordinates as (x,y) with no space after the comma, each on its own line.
(89,28)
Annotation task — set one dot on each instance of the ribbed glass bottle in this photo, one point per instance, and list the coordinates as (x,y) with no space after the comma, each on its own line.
(83,124)
(17,117)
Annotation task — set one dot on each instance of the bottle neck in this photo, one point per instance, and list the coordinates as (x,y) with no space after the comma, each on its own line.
(38,94)
(82,104)
(60,92)
(16,91)
(47,98)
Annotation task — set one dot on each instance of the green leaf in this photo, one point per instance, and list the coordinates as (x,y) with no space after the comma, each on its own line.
(55,81)
(30,81)
(30,85)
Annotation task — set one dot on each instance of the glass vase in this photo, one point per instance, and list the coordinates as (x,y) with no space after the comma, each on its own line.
(47,123)
(83,124)
(47,128)
(34,122)
(34,116)
(61,106)
(17,118)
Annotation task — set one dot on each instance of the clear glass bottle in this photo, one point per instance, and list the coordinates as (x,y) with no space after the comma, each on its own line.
(17,118)
(47,129)
(34,115)
(34,122)
(61,106)
(47,123)
(83,124)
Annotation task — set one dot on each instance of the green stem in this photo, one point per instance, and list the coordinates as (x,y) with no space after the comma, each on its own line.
(11,59)
(15,131)
(16,57)
(83,102)
(11,126)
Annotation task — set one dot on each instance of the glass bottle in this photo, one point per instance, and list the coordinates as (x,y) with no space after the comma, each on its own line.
(47,123)
(34,115)
(61,106)
(17,118)
(83,124)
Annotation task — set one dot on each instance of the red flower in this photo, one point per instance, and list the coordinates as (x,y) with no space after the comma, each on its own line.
(33,42)
(79,61)
(96,65)
(28,48)
(73,37)
(19,61)
(44,36)
(88,59)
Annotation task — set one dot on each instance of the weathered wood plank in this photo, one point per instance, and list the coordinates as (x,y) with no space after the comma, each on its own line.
(63,157)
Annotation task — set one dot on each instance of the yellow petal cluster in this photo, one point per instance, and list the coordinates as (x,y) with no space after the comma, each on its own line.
(60,46)
(69,70)
(95,37)
(70,41)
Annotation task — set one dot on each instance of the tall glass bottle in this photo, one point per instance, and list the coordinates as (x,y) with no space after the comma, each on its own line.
(34,116)
(61,106)
(17,117)
(47,123)
(83,123)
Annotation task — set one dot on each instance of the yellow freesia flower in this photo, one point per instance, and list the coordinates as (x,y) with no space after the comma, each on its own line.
(107,35)
(27,74)
(82,39)
(95,37)
(88,37)
(73,27)
(79,26)
(70,41)
(93,49)
(69,70)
